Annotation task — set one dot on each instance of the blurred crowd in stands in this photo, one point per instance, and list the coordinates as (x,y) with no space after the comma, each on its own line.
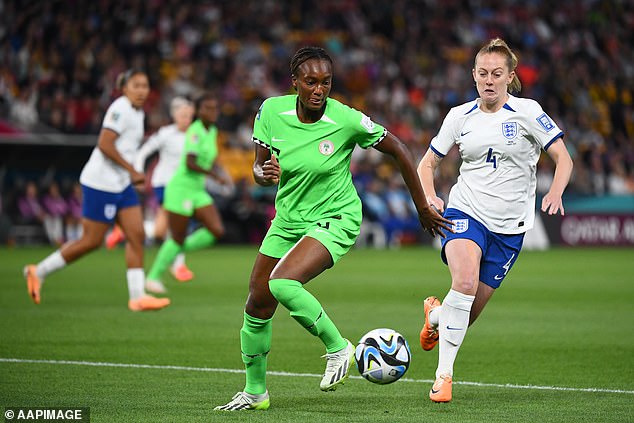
(404,63)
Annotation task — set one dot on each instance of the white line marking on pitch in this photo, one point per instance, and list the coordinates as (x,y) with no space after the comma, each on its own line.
(289,374)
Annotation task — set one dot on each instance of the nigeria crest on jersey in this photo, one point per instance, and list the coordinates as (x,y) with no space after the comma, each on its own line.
(326,147)
(509,130)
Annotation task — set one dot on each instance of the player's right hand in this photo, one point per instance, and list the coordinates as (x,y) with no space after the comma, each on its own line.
(271,170)
(137,178)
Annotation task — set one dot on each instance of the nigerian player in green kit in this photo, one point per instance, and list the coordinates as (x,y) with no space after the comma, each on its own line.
(304,143)
(185,194)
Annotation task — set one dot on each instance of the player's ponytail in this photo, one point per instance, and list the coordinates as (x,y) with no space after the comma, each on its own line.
(498,45)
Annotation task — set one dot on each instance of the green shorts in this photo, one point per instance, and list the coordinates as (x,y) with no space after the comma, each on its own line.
(183,200)
(337,234)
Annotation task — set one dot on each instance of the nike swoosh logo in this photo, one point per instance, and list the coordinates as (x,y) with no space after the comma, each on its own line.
(462,134)
(276,139)
(498,278)
(321,230)
(450,328)
(433,391)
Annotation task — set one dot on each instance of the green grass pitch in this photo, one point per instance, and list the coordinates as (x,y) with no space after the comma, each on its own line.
(555,344)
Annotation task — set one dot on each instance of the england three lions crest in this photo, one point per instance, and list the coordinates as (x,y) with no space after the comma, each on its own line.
(460,225)
(509,130)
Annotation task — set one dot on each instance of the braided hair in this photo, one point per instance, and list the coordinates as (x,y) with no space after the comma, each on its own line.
(307,53)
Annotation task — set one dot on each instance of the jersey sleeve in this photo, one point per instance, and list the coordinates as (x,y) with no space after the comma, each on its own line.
(543,129)
(115,118)
(447,135)
(367,133)
(150,146)
(261,127)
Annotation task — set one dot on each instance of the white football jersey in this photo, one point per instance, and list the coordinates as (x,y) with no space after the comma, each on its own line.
(169,142)
(102,173)
(499,154)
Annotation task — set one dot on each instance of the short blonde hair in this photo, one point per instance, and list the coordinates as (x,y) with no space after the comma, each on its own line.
(498,45)
(177,103)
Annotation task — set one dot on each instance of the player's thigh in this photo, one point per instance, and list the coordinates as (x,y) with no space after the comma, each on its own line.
(210,218)
(463,258)
(307,259)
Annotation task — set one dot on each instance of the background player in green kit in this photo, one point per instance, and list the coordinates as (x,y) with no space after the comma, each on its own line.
(185,194)
(304,143)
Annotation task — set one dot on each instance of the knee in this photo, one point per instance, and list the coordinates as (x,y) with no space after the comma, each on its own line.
(219,231)
(466,284)
(261,306)
(136,237)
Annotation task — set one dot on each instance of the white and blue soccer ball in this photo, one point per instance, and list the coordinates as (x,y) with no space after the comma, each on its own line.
(382,356)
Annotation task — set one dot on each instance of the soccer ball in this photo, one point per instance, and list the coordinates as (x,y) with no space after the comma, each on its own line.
(382,356)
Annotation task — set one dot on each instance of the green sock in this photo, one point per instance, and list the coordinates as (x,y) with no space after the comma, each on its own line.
(199,239)
(255,343)
(307,311)
(168,251)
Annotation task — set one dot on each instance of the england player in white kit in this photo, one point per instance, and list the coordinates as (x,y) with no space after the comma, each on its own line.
(168,141)
(500,138)
(108,195)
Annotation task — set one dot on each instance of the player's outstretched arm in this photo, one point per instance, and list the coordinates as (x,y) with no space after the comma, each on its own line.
(429,218)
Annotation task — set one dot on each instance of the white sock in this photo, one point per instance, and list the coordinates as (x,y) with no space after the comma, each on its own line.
(454,321)
(179,260)
(434,316)
(50,264)
(148,226)
(136,280)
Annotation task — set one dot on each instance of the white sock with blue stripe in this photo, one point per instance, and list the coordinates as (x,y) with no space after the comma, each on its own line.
(453,324)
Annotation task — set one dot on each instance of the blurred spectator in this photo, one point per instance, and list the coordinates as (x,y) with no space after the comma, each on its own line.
(29,208)
(55,209)
(577,60)
(73,216)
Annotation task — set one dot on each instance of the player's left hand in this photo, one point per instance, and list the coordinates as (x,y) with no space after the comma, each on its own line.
(433,222)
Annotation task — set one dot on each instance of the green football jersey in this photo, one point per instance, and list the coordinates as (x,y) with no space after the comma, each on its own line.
(202,143)
(316,181)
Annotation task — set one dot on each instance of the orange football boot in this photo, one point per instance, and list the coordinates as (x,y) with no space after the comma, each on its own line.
(114,237)
(429,335)
(148,302)
(32,282)
(441,390)
(182,273)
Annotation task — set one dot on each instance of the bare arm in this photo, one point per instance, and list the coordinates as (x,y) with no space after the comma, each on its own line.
(552,202)
(426,169)
(429,218)
(266,169)
(106,144)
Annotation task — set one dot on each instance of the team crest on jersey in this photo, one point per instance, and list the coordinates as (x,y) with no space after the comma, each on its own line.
(460,225)
(194,138)
(326,147)
(114,116)
(367,123)
(110,211)
(509,130)
(545,122)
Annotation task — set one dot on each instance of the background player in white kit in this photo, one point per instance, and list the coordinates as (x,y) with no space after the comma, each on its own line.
(168,141)
(107,183)
(492,205)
